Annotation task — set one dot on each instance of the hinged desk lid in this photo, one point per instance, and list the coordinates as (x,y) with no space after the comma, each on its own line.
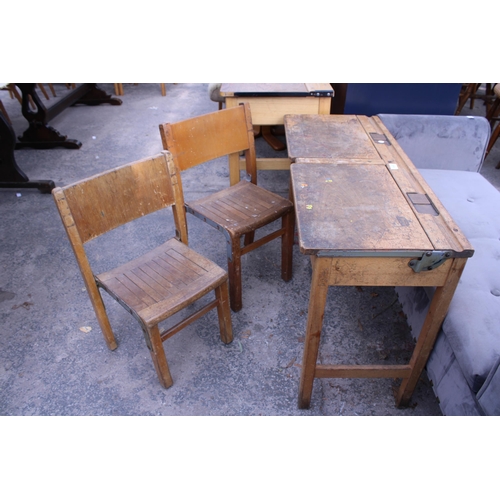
(341,141)
(354,209)
(333,138)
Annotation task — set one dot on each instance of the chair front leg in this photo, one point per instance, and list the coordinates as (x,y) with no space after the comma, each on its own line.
(224,313)
(155,346)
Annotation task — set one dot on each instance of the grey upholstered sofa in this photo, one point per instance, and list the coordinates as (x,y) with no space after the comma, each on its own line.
(464,365)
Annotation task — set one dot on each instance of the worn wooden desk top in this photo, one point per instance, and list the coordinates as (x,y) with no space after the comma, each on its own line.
(276,89)
(357,193)
(332,137)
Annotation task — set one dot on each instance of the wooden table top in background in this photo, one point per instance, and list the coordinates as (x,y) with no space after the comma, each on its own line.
(276,89)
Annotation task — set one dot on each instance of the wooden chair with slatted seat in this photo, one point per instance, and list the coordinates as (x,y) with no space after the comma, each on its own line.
(239,210)
(158,284)
(472,91)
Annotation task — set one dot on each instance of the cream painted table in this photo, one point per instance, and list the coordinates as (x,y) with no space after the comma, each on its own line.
(269,102)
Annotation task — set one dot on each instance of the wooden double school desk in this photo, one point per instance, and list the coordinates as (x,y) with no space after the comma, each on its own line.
(365,216)
(269,102)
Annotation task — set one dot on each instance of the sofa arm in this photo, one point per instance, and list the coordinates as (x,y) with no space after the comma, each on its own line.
(488,395)
(441,141)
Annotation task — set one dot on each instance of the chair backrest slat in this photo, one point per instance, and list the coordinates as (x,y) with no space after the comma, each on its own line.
(223,132)
(108,200)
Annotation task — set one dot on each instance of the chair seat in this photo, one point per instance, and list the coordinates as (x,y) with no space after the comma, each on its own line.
(162,282)
(241,208)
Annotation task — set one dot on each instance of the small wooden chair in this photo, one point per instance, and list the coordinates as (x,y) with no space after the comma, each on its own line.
(44,92)
(161,282)
(238,210)
(471,91)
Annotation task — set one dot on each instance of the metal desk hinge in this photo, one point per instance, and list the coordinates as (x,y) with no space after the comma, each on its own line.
(380,138)
(429,261)
(423,203)
(321,93)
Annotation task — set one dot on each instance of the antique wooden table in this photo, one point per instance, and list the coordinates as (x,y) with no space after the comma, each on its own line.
(39,134)
(269,102)
(366,217)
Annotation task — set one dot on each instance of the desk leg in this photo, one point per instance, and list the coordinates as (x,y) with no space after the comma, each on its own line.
(317,301)
(430,329)
(273,141)
(324,105)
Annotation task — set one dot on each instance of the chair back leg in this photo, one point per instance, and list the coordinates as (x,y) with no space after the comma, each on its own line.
(288,224)
(234,272)
(249,238)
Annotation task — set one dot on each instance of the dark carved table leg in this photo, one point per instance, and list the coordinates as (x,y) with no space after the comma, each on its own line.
(11,176)
(96,96)
(39,135)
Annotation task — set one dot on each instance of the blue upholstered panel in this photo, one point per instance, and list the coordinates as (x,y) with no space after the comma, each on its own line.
(441,142)
(404,98)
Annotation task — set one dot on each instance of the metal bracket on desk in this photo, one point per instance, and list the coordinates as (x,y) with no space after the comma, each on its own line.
(429,261)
